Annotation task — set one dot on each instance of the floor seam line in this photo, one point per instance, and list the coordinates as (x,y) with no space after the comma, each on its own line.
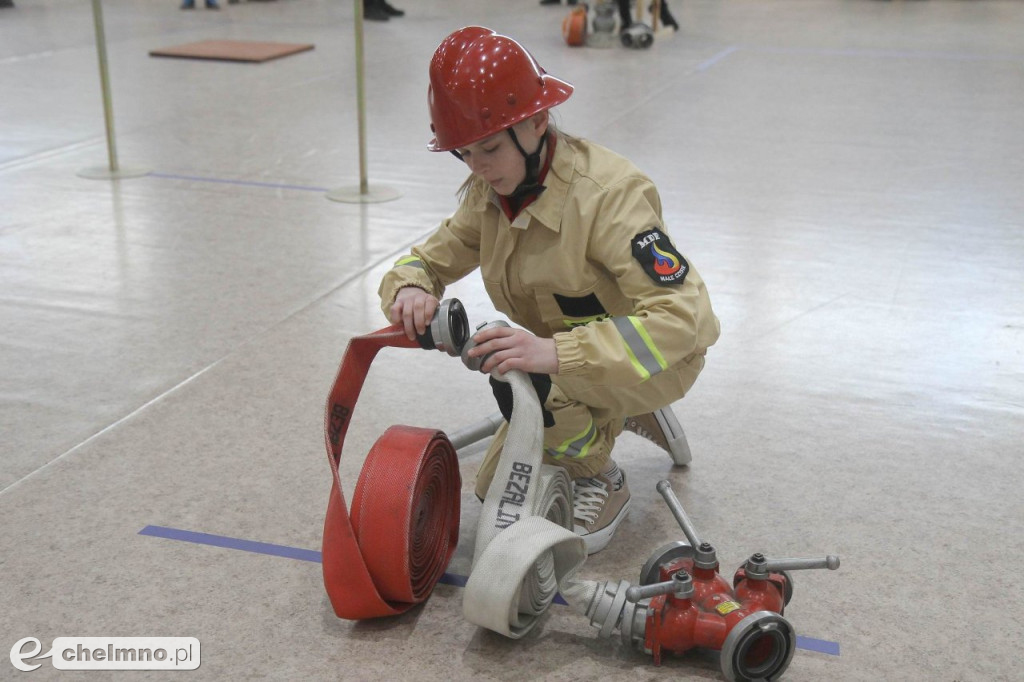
(216,362)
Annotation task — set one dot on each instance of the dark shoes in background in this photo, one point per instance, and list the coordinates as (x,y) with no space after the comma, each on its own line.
(380,10)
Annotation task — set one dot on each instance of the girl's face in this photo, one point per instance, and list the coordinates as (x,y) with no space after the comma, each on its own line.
(496,159)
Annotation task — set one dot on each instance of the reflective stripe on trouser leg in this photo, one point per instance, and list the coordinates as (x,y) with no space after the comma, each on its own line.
(574,424)
(582,438)
(575,446)
(582,467)
(605,406)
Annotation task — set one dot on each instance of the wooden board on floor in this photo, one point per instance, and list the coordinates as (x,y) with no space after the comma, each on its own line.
(231,50)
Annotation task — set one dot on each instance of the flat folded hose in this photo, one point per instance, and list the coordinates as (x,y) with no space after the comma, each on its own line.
(387,554)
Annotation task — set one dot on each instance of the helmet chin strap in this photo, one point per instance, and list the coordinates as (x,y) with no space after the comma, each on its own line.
(529,184)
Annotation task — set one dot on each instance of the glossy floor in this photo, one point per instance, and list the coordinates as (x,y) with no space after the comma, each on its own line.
(846,175)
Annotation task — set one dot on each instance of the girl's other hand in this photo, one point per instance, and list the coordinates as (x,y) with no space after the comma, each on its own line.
(511,348)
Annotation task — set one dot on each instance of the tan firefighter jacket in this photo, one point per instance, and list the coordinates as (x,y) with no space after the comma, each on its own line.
(587,263)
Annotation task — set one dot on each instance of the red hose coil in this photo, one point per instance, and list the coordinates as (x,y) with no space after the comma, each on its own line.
(387,554)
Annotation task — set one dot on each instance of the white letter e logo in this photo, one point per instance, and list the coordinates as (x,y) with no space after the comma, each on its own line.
(18,657)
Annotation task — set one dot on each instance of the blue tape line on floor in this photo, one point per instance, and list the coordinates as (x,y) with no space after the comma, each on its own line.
(822,646)
(274,550)
(247,183)
(808,643)
(231,543)
(708,63)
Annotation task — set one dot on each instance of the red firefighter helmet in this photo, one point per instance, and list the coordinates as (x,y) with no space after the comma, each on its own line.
(481,83)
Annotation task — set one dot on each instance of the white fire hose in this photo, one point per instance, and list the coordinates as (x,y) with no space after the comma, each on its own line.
(525,549)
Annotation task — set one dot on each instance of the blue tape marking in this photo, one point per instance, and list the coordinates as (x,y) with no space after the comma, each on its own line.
(887,54)
(454,579)
(265,548)
(876,54)
(708,63)
(248,183)
(231,543)
(822,646)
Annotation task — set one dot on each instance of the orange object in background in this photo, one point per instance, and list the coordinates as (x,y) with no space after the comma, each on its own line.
(574,27)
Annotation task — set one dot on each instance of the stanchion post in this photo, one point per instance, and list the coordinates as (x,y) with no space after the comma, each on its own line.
(363,194)
(113,170)
(364,183)
(108,108)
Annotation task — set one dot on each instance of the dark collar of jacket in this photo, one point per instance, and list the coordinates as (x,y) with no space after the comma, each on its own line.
(547,209)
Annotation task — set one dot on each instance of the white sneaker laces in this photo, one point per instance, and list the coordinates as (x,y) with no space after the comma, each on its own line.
(588,499)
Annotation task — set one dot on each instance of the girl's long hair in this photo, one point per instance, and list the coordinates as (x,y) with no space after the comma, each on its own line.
(553,128)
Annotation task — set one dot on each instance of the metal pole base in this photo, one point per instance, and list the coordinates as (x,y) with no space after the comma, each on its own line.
(105,173)
(354,195)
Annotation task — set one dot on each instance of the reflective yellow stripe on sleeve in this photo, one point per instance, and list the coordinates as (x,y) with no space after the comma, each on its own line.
(647,360)
(411,261)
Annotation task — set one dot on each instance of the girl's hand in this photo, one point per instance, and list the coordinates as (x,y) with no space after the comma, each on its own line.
(514,349)
(413,309)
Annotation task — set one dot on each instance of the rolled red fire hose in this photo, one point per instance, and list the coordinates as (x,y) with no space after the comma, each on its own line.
(386,555)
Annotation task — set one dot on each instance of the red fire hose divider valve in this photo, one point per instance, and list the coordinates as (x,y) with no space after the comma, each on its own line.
(683,602)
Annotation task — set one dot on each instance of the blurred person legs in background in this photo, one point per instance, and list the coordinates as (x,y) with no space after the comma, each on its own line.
(626,16)
(191,4)
(380,10)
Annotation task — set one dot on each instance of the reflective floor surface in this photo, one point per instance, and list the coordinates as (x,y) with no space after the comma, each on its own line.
(845,174)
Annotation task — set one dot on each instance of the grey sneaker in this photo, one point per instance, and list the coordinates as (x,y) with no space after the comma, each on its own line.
(663,429)
(598,510)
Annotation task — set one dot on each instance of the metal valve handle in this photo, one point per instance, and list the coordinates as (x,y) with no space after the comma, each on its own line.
(681,585)
(665,488)
(758,566)
(704,553)
(831,562)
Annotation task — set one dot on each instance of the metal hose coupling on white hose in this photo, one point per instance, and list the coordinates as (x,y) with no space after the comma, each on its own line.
(448,330)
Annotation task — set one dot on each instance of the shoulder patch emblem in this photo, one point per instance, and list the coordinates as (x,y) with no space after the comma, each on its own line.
(660,260)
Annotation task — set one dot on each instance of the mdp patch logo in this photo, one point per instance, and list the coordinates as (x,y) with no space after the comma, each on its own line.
(660,260)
